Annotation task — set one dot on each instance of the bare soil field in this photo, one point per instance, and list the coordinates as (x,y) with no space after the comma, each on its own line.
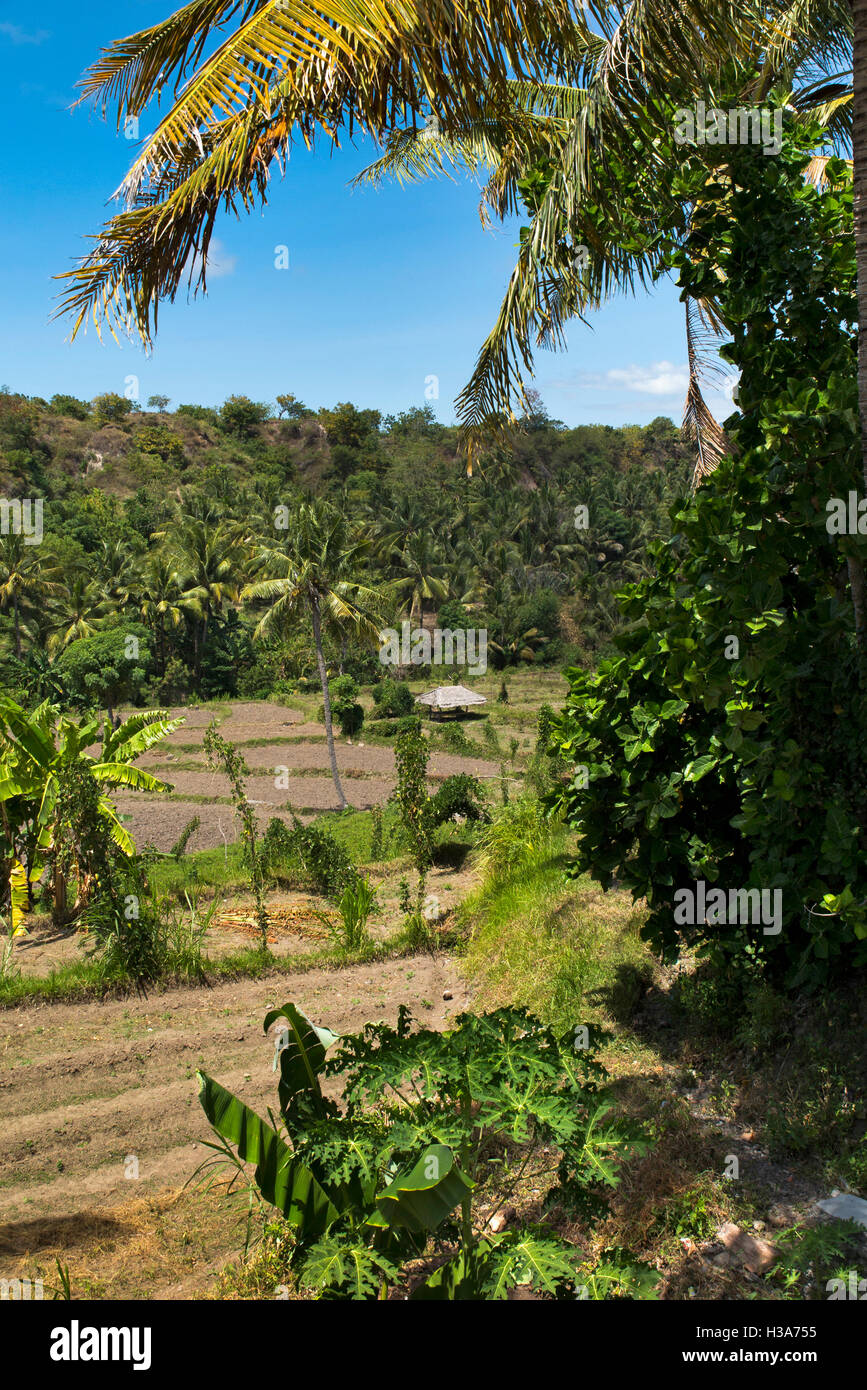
(262,731)
(101,1128)
(92,1093)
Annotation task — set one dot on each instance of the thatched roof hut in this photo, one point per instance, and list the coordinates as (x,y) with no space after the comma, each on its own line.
(450,697)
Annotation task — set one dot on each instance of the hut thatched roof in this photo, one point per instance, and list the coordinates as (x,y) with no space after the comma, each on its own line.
(450,697)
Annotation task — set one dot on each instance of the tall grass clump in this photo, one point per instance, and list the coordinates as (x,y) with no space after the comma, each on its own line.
(536,940)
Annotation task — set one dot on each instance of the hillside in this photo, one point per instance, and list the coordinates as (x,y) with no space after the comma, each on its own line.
(142,509)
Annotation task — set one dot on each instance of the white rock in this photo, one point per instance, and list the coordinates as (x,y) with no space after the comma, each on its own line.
(845,1208)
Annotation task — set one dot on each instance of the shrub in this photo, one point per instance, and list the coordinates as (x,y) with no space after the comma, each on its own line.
(309,856)
(241,417)
(392,698)
(111,408)
(355,905)
(69,406)
(518,832)
(108,668)
(203,413)
(345,707)
(460,795)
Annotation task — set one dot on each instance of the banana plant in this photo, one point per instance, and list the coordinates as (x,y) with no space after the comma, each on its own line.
(426,1120)
(36,749)
(357,1219)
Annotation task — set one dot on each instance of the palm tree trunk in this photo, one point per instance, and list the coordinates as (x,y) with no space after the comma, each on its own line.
(326,700)
(17,626)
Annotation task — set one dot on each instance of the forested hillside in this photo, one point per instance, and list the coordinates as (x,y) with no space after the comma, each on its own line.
(154,520)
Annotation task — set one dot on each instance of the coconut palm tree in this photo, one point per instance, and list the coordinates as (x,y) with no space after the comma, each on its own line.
(419,575)
(313,574)
(513,84)
(156,592)
(209,559)
(24,580)
(78,610)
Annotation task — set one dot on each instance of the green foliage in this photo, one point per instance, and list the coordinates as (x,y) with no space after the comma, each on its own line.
(376,833)
(308,856)
(745,767)
(410,794)
(111,409)
(427,1121)
(392,698)
(203,413)
(69,406)
(811,1257)
(355,905)
(518,833)
(241,417)
(108,669)
(345,706)
(161,442)
(459,795)
(223,757)
(452,737)
(123,921)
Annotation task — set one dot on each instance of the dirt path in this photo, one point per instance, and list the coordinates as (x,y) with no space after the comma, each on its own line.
(93,1094)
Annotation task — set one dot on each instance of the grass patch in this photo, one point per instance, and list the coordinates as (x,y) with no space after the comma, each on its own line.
(83,980)
(562,949)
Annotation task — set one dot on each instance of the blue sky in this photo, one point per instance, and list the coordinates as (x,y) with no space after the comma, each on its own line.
(384,291)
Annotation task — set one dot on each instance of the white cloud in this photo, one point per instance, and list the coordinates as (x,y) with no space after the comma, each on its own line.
(16,34)
(218,264)
(659,379)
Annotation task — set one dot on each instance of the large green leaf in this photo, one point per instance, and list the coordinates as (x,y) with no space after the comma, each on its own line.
(284,1181)
(421,1197)
(347,1268)
(302,1052)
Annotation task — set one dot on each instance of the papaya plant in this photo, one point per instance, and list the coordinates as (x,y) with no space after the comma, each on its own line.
(435,1134)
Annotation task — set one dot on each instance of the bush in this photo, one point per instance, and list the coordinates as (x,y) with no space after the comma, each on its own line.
(518,833)
(390,728)
(107,669)
(203,413)
(241,417)
(111,408)
(460,795)
(309,856)
(69,406)
(355,905)
(345,708)
(392,698)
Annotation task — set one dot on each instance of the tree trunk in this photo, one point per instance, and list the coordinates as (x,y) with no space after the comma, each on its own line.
(17,627)
(326,700)
(61,904)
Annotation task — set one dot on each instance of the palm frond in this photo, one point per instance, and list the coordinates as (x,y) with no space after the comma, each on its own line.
(699,425)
